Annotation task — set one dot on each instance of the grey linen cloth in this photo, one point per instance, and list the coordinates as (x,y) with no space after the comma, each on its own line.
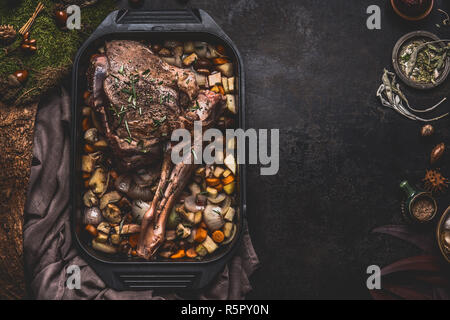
(48,249)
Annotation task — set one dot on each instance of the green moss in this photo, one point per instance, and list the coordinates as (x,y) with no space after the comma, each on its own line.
(56,47)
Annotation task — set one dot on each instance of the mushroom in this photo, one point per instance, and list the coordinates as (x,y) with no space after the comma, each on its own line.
(89,199)
(138,209)
(91,135)
(92,216)
(164,52)
(201,48)
(104,227)
(112,213)
(189,47)
(191,205)
(178,53)
(195,189)
(182,231)
(110,197)
(172,44)
(98,181)
(88,162)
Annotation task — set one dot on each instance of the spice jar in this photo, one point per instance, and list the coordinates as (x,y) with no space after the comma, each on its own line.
(421,207)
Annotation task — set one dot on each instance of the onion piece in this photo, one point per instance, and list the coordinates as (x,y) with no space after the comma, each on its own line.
(212,216)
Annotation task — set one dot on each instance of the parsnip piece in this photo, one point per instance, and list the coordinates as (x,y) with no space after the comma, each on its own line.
(215,78)
(231,103)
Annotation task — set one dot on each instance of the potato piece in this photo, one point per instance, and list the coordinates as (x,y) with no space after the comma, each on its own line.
(230,162)
(202,80)
(211,192)
(98,181)
(231,103)
(218,172)
(201,250)
(87,163)
(115,239)
(226,69)
(102,237)
(231,82)
(209,245)
(229,188)
(227,228)
(190,59)
(229,215)
(226,173)
(214,79)
(198,217)
(103,247)
(225,85)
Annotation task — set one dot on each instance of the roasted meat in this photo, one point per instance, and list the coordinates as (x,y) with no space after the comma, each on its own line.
(139,100)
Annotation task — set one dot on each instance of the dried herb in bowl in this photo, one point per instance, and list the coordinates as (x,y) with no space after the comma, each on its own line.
(423,61)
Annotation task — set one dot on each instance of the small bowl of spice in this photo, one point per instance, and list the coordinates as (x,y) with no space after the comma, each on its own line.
(412,9)
(421,59)
(443,234)
(421,206)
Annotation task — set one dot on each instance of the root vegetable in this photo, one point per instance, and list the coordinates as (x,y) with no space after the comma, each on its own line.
(211,182)
(231,103)
(180,254)
(189,60)
(101,237)
(209,245)
(229,188)
(128,229)
(200,235)
(212,193)
(191,253)
(230,162)
(201,250)
(218,199)
(218,236)
(103,247)
(228,179)
(226,69)
(215,78)
(92,230)
(229,215)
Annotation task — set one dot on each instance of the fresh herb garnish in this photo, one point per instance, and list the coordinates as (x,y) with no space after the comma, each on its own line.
(128,128)
(121,70)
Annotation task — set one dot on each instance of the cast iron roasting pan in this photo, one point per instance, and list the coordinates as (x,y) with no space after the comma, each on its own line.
(133,273)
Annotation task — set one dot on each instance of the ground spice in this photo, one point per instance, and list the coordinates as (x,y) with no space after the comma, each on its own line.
(423,209)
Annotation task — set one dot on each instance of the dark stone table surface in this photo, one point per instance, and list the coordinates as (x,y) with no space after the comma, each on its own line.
(312,71)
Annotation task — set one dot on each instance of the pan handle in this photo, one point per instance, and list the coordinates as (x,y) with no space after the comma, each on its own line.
(158,20)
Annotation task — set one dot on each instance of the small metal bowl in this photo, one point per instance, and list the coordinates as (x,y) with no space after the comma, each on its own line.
(396,56)
(439,233)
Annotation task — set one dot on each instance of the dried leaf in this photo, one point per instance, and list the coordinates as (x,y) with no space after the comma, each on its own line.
(409,234)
